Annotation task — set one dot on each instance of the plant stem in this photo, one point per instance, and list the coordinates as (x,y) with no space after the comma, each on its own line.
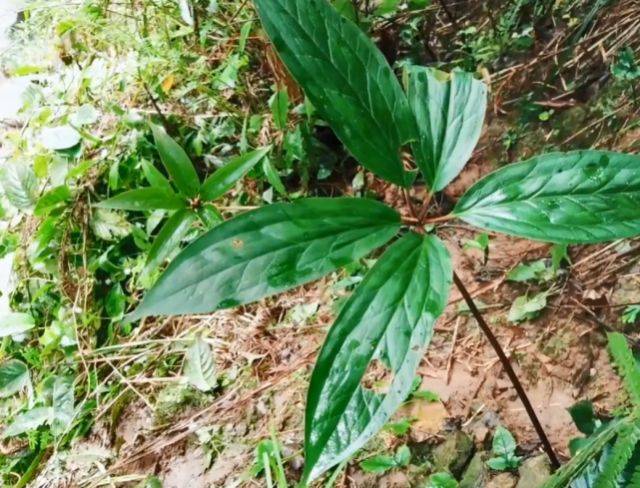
(555,463)
(442,218)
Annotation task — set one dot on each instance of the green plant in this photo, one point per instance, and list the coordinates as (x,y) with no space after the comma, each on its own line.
(574,197)
(184,195)
(609,454)
(268,462)
(442,480)
(504,449)
(382,463)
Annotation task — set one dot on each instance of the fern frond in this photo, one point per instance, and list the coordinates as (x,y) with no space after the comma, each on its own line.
(627,366)
(619,456)
(584,456)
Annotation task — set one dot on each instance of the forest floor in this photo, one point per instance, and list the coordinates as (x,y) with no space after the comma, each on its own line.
(265,351)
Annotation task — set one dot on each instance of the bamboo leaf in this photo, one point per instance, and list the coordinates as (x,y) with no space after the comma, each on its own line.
(176,162)
(144,199)
(224,178)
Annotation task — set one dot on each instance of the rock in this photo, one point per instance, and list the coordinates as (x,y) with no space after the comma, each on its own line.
(503,480)
(534,472)
(477,473)
(454,453)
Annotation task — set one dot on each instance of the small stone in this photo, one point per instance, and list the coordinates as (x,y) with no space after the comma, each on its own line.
(534,472)
(454,453)
(503,480)
(477,473)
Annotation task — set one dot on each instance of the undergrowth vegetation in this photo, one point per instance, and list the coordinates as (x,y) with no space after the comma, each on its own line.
(188,157)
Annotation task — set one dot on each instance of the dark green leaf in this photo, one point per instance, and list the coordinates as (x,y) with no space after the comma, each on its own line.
(144,199)
(155,177)
(224,178)
(169,237)
(574,197)
(273,177)
(279,104)
(14,376)
(584,417)
(449,110)
(269,250)
(346,78)
(390,316)
(115,302)
(176,162)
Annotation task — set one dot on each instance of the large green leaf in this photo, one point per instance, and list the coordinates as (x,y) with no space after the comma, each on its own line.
(269,250)
(346,78)
(143,199)
(223,179)
(390,316)
(573,197)
(449,110)
(176,162)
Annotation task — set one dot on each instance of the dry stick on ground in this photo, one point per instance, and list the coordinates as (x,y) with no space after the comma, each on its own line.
(555,463)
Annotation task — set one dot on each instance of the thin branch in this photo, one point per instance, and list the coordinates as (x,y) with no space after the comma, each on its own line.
(553,458)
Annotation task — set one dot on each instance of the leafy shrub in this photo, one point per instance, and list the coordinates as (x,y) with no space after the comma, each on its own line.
(564,198)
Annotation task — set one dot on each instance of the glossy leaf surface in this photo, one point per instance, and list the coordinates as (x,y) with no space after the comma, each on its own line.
(574,197)
(176,162)
(144,199)
(449,111)
(269,250)
(389,317)
(346,78)
(224,178)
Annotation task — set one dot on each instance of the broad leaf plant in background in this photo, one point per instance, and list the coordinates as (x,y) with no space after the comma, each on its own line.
(190,199)
(566,198)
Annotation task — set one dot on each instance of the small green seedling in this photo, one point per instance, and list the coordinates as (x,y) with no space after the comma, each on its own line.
(504,451)
(382,463)
(183,195)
